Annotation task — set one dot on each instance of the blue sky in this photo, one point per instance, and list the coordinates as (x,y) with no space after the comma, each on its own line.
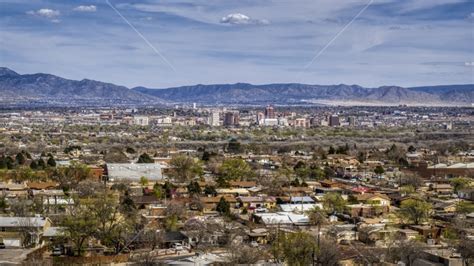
(393,42)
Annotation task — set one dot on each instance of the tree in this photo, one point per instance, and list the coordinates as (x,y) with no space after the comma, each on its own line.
(20,158)
(459,183)
(415,210)
(41,164)
(331,150)
(406,251)
(194,188)
(34,165)
(233,169)
(184,168)
(69,177)
(143,181)
(51,162)
(379,170)
(464,207)
(333,202)
(243,255)
(234,146)
(294,248)
(210,190)
(111,226)
(328,253)
(466,248)
(127,206)
(145,158)
(318,218)
(206,156)
(174,212)
(79,226)
(412,179)
(130,150)
(3,162)
(223,207)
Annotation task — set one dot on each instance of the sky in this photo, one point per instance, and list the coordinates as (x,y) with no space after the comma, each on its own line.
(166,43)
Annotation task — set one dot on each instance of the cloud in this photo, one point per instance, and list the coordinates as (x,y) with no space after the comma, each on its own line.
(241,19)
(469,64)
(46,13)
(90,8)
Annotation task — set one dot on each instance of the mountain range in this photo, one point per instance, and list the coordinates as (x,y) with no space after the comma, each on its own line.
(47,89)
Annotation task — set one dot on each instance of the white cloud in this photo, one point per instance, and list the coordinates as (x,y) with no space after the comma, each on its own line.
(241,19)
(469,64)
(90,8)
(45,12)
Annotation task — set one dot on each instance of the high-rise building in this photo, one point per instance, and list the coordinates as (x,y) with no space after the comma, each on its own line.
(334,121)
(351,120)
(214,119)
(260,118)
(229,119)
(270,112)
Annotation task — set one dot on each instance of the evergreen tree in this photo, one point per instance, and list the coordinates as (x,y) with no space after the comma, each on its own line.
(223,207)
(210,190)
(194,188)
(145,158)
(331,150)
(20,158)
(34,165)
(3,162)
(41,164)
(51,161)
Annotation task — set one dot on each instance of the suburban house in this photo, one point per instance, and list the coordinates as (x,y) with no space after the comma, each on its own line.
(467,194)
(210,203)
(23,231)
(369,205)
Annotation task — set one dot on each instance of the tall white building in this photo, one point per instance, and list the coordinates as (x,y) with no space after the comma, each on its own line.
(213,119)
(140,120)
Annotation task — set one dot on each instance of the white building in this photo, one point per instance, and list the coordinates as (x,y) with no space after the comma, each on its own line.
(213,119)
(134,171)
(140,120)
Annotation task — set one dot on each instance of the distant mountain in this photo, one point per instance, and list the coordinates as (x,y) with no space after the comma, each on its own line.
(450,93)
(46,89)
(294,93)
(49,89)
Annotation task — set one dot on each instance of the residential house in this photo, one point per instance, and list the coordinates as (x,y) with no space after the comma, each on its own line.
(442,189)
(369,205)
(210,203)
(23,231)
(467,194)
(258,235)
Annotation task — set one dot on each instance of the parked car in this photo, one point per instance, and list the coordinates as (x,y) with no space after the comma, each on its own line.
(178,246)
(57,251)
(2,245)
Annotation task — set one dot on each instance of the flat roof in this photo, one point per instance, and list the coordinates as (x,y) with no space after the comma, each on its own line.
(134,171)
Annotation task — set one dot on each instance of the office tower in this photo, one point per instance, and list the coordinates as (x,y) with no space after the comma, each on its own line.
(214,119)
(229,119)
(270,112)
(334,121)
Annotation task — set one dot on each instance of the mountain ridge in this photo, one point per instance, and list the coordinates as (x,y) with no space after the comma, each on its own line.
(49,89)
(292,93)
